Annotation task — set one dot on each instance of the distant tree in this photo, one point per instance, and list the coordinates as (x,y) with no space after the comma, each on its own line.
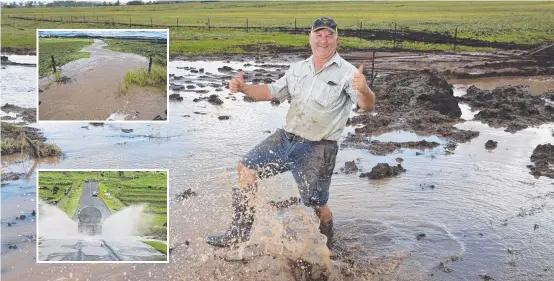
(117,3)
(120,173)
(135,2)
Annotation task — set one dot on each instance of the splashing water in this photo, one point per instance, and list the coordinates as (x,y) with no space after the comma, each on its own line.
(55,222)
(123,223)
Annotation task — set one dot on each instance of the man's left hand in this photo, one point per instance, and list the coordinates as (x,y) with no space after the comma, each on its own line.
(359,83)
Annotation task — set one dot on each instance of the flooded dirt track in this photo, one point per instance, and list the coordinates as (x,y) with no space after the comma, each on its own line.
(91,89)
(460,211)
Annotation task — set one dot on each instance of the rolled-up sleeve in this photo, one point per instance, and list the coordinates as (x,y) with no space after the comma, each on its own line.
(280,88)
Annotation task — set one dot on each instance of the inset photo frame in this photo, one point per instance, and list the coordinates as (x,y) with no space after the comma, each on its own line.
(102,216)
(102,75)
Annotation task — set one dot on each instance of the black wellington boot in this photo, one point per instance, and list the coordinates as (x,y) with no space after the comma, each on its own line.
(241,224)
(326,228)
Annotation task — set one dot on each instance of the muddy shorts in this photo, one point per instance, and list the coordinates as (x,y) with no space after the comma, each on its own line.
(311,164)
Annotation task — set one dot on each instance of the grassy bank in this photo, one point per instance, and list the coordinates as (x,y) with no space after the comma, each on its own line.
(13,142)
(131,188)
(156,78)
(52,186)
(161,247)
(158,52)
(517,22)
(64,50)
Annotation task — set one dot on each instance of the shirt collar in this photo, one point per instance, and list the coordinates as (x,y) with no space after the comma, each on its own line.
(334,59)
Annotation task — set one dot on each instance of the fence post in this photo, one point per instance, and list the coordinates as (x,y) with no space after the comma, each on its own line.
(209,26)
(53,64)
(372,64)
(150,65)
(151,24)
(71,19)
(246,25)
(129,22)
(360,35)
(177,22)
(51,18)
(113,23)
(294,26)
(455,38)
(394,37)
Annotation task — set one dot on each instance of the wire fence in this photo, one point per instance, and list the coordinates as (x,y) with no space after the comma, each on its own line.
(396,35)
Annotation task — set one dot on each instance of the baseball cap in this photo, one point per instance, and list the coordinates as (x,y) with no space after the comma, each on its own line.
(325,22)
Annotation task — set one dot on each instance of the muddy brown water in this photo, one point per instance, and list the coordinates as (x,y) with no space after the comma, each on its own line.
(479,219)
(92,92)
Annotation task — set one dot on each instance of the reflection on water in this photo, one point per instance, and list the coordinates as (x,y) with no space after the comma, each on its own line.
(472,210)
(537,84)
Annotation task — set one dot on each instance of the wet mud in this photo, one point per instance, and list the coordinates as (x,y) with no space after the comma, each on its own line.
(512,107)
(420,102)
(28,115)
(543,161)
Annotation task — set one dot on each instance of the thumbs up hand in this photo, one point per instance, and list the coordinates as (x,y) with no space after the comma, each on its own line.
(359,83)
(237,84)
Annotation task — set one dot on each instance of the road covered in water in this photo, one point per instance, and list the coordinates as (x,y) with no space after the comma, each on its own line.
(91,89)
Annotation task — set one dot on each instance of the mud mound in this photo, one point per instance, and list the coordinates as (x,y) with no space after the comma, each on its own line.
(513,107)
(384,170)
(424,90)
(543,159)
(420,102)
(29,115)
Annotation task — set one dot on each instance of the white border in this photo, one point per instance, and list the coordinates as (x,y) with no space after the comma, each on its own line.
(37,199)
(104,121)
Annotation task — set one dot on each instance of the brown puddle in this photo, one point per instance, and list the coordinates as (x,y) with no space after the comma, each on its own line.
(537,84)
(91,91)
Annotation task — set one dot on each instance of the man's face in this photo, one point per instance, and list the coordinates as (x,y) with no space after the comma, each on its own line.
(324,43)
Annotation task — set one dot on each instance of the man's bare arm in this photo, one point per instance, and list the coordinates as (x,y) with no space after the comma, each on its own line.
(366,100)
(257,92)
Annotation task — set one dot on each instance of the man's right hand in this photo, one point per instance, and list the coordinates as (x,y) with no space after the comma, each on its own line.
(237,84)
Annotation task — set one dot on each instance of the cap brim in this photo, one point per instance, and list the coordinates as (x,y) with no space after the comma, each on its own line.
(326,27)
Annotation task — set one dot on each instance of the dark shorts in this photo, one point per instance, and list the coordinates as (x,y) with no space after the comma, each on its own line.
(311,164)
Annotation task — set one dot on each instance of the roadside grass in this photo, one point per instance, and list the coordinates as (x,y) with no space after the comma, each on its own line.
(156,78)
(158,52)
(52,185)
(64,50)
(161,247)
(141,187)
(516,22)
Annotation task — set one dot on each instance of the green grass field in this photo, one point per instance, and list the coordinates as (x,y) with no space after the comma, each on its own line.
(138,188)
(519,22)
(52,187)
(161,247)
(158,75)
(64,50)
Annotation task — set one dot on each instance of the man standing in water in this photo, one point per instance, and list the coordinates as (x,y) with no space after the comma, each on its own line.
(323,90)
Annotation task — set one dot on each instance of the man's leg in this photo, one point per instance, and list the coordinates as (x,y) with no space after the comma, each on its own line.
(265,160)
(312,169)
(326,223)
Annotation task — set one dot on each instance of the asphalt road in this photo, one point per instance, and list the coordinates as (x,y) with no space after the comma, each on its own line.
(87,199)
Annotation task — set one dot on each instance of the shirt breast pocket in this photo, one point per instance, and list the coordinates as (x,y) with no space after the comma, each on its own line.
(328,94)
(295,82)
